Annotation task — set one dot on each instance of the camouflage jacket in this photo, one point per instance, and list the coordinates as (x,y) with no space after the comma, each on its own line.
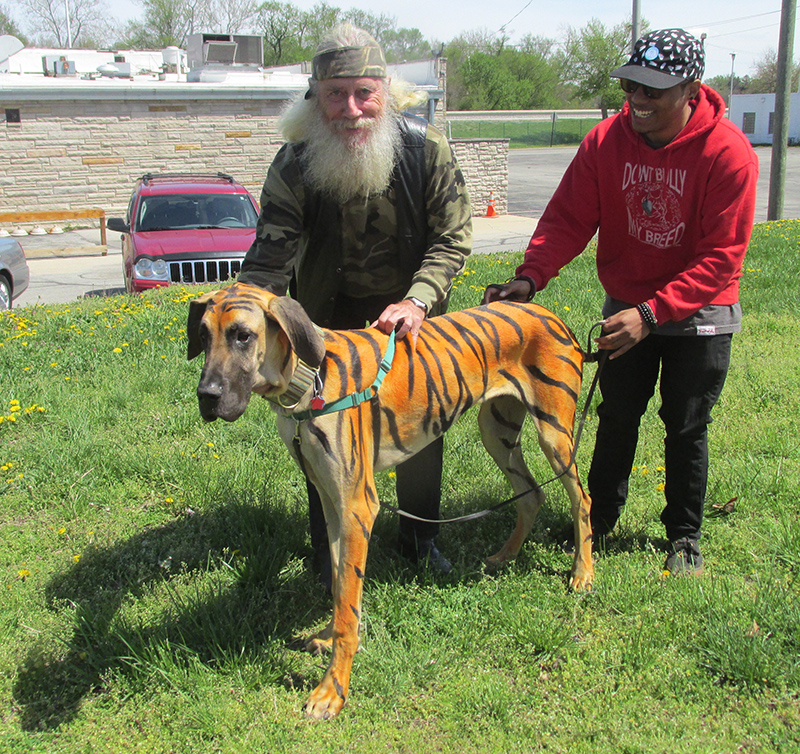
(361,248)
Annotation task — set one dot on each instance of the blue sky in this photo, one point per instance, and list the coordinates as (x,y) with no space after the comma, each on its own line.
(733,26)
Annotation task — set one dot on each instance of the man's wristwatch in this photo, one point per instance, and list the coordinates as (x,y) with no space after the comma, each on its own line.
(421,304)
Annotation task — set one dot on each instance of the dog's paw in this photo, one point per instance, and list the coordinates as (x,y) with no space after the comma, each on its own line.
(322,641)
(325,701)
(499,559)
(581,580)
(317,646)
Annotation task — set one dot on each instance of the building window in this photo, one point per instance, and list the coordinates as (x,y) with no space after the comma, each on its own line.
(771,122)
(12,116)
(749,123)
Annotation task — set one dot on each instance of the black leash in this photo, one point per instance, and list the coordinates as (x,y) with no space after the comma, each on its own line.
(600,357)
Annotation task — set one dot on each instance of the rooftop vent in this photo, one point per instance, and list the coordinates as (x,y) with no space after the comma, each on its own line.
(58,65)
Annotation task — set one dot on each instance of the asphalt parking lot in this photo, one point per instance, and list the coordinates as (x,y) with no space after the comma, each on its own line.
(71,265)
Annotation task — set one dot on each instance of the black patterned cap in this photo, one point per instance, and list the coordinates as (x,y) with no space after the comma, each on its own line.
(664,58)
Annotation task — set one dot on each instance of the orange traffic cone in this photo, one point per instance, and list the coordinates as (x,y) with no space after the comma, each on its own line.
(490,212)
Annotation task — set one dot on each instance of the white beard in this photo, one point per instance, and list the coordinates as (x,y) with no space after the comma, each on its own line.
(343,170)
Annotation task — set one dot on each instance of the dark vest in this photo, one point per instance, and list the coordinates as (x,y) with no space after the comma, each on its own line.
(318,276)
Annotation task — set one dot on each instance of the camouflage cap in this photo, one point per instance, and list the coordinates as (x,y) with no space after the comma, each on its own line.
(345,62)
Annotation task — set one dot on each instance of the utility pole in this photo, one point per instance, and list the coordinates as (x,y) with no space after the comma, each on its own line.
(730,92)
(636,23)
(780,123)
(69,31)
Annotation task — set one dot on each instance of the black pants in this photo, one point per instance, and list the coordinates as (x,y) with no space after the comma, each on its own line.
(693,371)
(419,479)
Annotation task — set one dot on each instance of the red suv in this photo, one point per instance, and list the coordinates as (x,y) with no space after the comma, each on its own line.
(185,228)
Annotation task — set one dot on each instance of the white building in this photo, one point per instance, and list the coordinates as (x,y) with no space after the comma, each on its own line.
(755,114)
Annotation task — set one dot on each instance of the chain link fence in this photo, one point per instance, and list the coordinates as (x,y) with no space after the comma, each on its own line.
(523,128)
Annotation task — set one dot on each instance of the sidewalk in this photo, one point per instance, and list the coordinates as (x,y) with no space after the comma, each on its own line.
(72,243)
(490,234)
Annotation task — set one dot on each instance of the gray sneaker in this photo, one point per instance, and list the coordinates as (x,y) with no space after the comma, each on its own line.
(684,558)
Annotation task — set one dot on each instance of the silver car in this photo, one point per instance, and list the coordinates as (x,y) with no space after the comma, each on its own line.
(14,274)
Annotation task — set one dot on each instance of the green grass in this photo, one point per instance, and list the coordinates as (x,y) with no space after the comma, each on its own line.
(525,133)
(155,584)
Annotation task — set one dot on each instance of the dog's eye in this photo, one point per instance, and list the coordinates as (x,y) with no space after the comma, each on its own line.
(243,337)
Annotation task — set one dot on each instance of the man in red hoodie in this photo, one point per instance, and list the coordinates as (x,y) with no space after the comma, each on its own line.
(669,187)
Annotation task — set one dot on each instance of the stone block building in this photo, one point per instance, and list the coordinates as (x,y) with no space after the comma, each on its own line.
(80,126)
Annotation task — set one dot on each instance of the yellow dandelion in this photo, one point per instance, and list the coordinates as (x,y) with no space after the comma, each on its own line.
(76,558)
(117,350)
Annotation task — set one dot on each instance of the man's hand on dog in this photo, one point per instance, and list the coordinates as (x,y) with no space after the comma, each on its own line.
(513,290)
(404,317)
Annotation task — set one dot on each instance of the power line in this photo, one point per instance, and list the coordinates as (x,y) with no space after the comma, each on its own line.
(730,21)
(503,27)
(756,28)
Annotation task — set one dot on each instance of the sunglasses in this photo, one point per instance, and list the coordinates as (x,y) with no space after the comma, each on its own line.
(630,87)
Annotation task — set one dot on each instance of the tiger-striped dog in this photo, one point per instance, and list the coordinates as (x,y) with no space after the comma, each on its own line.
(515,359)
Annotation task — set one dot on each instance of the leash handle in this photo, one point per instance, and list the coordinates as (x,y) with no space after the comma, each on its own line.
(589,354)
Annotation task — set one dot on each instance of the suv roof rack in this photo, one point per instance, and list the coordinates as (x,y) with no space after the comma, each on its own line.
(147,177)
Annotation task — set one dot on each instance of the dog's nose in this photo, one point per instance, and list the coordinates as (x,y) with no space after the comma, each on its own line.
(209,391)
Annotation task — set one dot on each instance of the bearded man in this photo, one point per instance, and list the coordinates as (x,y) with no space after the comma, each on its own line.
(365,216)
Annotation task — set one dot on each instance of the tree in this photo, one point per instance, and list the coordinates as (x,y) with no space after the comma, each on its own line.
(765,78)
(509,79)
(167,22)
(458,51)
(9,26)
(88,25)
(291,35)
(722,84)
(400,45)
(231,16)
(591,53)
(376,25)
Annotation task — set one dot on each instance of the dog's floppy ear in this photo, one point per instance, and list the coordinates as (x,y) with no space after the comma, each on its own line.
(197,308)
(306,342)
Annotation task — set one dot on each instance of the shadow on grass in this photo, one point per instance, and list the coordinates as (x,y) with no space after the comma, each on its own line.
(255,597)
(259,599)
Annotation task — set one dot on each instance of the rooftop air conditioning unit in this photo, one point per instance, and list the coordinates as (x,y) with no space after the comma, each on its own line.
(224,49)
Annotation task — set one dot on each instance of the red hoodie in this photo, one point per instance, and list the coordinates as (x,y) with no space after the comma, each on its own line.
(674,222)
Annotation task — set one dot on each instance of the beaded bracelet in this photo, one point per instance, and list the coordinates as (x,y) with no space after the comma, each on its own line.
(646,313)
